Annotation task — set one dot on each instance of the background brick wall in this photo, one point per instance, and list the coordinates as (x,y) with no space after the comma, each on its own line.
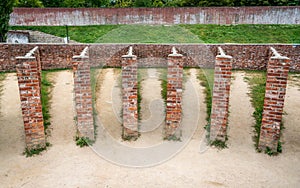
(187,15)
(57,56)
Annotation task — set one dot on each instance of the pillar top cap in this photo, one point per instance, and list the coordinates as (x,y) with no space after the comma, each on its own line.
(83,54)
(222,54)
(29,55)
(174,53)
(277,55)
(130,53)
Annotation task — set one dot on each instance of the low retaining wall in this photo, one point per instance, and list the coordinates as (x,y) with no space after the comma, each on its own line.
(57,56)
(191,15)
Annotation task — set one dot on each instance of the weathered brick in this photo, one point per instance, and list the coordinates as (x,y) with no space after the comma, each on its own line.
(129,92)
(174,95)
(83,96)
(277,75)
(220,99)
(31,100)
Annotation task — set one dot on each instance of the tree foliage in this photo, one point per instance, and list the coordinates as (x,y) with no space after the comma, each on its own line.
(52,3)
(29,3)
(5,10)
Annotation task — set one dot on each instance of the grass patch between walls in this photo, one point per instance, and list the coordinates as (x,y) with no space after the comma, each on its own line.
(46,88)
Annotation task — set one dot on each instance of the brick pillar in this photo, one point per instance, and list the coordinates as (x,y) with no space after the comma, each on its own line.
(129,92)
(277,75)
(28,73)
(174,95)
(220,98)
(83,95)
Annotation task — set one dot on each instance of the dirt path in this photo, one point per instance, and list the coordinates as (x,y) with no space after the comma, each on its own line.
(66,165)
(108,104)
(63,129)
(152,109)
(240,117)
(291,133)
(11,119)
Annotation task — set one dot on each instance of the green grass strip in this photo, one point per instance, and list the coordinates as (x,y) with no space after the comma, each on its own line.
(46,87)
(257,84)
(206,77)
(198,33)
(246,33)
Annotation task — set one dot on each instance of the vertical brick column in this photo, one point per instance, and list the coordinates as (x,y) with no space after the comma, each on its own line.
(28,73)
(83,95)
(277,75)
(174,95)
(129,92)
(220,99)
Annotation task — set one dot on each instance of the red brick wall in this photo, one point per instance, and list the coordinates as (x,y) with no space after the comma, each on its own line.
(28,73)
(191,15)
(129,96)
(220,98)
(83,97)
(277,75)
(174,96)
(54,56)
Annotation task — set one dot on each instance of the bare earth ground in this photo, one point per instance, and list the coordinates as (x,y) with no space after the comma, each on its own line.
(66,165)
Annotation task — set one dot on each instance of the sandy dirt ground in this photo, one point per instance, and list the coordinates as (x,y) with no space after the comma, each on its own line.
(66,165)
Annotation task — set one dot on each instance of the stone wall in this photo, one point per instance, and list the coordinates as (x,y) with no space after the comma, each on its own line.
(57,56)
(17,37)
(191,15)
(41,37)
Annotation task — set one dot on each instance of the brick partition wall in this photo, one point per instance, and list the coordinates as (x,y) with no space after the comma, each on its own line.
(57,56)
(83,95)
(220,98)
(129,96)
(174,95)
(277,75)
(28,73)
(170,15)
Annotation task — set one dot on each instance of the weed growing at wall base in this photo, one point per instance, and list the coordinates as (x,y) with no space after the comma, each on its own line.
(36,151)
(219,143)
(83,141)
